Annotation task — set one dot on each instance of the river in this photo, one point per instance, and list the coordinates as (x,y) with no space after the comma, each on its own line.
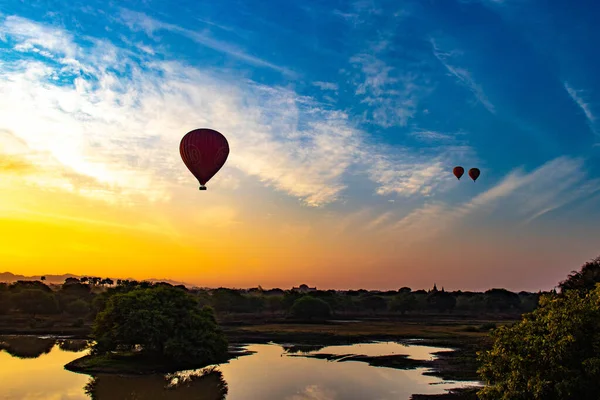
(32,368)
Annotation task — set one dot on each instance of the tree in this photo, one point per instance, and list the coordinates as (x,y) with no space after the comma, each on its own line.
(502,300)
(165,322)
(5,302)
(78,308)
(35,301)
(583,280)
(441,301)
(403,302)
(374,303)
(553,353)
(42,278)
(311,308)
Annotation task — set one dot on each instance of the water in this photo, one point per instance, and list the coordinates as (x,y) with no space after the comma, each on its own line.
(271,373)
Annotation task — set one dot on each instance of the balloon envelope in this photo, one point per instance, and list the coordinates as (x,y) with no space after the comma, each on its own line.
(204,152)
(458,172)
(474,173)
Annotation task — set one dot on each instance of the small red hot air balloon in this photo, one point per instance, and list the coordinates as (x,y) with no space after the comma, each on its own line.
(474,173)
(458,172)
(204,152)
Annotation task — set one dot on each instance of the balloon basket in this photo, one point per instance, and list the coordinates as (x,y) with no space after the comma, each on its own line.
(202,187)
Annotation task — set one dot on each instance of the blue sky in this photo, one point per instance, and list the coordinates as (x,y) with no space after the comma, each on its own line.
(356,111)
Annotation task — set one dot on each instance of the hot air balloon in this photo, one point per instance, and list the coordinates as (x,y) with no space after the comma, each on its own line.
(204,152)
(474,173)
(458,172)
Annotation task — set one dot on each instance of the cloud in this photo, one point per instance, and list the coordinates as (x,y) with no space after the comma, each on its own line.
(121,127)
(433,136)
(326,85)
(463,75)
(38,36)
(10,164)
(406,173)
(314,392)
(585,106)
(392,94)
(525,197)
(141,22)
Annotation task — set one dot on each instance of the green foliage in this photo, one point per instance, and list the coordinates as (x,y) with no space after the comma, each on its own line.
(552,354)
(311,308)
(165,322)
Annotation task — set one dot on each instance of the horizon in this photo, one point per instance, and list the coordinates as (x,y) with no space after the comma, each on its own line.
(344,123)
(200,286)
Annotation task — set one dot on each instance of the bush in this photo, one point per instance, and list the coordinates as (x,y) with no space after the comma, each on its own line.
(553,353)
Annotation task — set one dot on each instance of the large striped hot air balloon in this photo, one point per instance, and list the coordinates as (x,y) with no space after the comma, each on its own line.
(204,152)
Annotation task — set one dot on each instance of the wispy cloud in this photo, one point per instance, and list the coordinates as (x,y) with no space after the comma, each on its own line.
(117,127)
(525,197)
(403,172)
(326,85)
(141,22)
(429,136)
(585,106)
(393,95)
(463,75)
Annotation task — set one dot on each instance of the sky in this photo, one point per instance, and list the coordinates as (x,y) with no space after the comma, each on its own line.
(344,121)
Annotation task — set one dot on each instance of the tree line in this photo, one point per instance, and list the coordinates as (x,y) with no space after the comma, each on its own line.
(83,298)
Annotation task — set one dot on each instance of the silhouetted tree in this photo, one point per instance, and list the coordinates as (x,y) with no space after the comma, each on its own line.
(405,289)
(374,303)
(42,278)
(23,285)
(441,301)
(502,300)
(583,280)
(311,308)
(403,302)
(35,301)
(78,308)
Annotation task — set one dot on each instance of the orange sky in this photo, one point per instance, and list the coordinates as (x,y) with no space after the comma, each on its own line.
(91,183)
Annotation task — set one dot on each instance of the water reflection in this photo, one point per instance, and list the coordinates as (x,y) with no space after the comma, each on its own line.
(73,345)
(26,346)
(376,349)
(273,372)
(207,384)
(301,348)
